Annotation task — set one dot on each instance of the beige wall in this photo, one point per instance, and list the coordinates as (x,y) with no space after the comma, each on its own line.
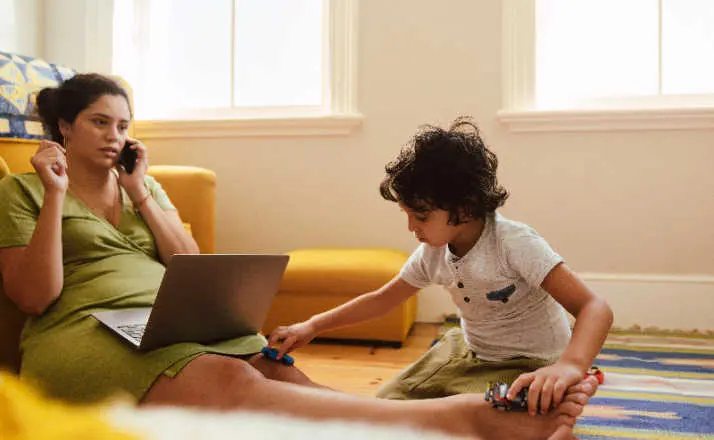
(614,204)
(634,202)
(78,33)
(638,202)
(419,62)
(20,22)
(617,204)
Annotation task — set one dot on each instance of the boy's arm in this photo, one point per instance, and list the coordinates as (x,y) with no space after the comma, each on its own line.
(363,308)
(593,318)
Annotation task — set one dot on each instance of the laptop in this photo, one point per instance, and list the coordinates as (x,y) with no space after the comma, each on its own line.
(203,298)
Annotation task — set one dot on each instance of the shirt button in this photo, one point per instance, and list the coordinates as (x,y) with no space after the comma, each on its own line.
(467,299)
(460,285)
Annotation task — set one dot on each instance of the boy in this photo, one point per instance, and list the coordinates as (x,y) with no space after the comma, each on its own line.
(509,285)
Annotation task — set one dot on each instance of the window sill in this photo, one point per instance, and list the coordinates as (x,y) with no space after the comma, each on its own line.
(332,125)
(529,121)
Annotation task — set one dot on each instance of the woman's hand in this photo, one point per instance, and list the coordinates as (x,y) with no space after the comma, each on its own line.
(50,163)
(292,337)
(134,183)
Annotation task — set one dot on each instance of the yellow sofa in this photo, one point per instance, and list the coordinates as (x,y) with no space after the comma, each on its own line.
(317,280)
(191,189)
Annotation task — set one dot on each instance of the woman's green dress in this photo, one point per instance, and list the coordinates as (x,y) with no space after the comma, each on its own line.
(65,350)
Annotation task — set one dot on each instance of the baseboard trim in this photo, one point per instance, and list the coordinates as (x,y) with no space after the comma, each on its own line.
(648,278)
(657,303)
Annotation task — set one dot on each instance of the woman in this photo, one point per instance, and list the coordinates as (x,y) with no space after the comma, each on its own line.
(82,235)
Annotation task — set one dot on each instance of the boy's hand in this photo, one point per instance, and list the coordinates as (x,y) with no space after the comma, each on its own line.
(547,385)
(292,337)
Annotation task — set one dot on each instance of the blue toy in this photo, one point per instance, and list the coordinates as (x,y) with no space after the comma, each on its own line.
(272,353)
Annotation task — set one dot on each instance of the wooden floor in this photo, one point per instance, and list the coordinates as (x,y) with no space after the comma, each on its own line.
(361,369)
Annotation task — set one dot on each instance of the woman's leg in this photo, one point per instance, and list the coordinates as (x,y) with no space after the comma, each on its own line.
(281,372)
(220,382)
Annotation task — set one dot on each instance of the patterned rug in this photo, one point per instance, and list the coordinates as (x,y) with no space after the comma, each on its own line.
(656,387)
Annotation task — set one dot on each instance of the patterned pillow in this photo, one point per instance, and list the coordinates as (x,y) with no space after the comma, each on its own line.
(21,78)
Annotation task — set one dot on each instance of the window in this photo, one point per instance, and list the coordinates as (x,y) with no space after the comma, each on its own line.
(640,59)
(237,59)
(586,50)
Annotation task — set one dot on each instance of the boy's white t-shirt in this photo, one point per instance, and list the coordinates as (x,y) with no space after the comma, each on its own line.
(496,286)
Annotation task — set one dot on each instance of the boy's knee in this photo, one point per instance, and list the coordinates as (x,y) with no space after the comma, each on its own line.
(393,390)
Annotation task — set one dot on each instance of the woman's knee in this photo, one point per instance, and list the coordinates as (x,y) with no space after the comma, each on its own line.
(279,372)
(208,380)
(230,372)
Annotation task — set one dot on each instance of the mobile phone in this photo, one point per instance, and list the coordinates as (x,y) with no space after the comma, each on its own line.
(127,158)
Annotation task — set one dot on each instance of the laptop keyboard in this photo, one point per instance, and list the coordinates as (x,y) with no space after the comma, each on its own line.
(135,331)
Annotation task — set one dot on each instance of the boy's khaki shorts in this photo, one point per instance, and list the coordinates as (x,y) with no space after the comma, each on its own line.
(450,367)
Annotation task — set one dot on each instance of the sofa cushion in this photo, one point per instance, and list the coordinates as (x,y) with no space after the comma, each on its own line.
(321,279)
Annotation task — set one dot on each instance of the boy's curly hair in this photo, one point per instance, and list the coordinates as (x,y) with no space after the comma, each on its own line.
(452,170)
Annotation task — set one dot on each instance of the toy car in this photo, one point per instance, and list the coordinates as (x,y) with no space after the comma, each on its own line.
(497,392)
(597,372)
(272,354)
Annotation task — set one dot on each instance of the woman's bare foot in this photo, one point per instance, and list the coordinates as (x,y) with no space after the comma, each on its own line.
(477,419)
(581,392)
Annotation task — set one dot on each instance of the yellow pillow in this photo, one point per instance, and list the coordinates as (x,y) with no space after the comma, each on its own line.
(26,415)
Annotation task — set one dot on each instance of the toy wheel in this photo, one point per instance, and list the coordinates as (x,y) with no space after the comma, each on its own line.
(597,372)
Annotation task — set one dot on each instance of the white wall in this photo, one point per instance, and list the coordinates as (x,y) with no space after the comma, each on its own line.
(74,33)
(78,33)
(20,25)
(634,207)
(632,211)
